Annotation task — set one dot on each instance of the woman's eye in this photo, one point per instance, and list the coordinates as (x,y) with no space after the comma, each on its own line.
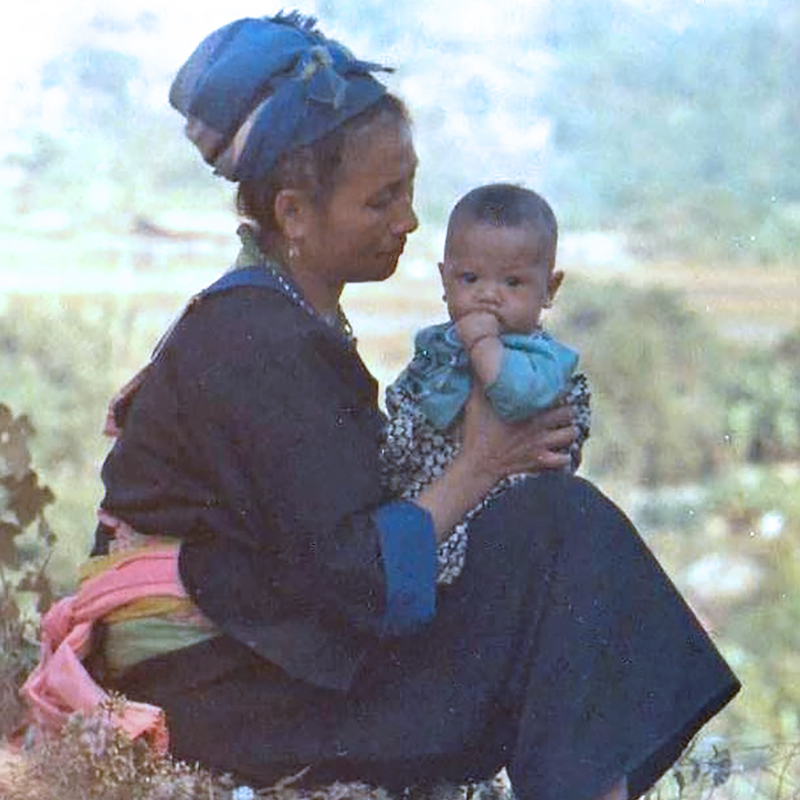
(380,201)
(513,281)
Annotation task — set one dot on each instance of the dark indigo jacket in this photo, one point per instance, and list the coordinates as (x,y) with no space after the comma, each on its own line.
(254,439)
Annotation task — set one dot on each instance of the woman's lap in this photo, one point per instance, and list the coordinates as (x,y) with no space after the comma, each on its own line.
(562,651)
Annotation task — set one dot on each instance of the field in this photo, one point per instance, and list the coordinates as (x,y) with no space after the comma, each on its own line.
(759,303)
(747,302)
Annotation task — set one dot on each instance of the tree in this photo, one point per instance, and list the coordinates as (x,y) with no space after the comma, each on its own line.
(677,128)
(98,147)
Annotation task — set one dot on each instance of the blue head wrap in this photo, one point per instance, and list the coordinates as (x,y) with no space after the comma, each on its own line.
(258,88)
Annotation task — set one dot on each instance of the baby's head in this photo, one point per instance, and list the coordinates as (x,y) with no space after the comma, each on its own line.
(499,256)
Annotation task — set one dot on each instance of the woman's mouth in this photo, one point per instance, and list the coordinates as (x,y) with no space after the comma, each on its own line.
(394,252)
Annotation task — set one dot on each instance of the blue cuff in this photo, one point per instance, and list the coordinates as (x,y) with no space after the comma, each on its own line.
(408,549)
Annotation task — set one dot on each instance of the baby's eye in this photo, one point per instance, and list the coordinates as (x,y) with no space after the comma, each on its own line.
(513,281)
(469,277)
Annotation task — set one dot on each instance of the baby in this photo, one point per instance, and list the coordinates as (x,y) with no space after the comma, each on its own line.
(498,275)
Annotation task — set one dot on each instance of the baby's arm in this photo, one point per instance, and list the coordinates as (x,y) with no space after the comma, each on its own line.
(531,378)
(479,332)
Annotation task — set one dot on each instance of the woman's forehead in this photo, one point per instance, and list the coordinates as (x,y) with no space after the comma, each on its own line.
(382,152)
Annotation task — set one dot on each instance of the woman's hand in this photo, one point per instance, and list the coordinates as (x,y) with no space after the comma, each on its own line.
(501,448)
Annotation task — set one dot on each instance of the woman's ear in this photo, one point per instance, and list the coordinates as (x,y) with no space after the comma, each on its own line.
(292,213)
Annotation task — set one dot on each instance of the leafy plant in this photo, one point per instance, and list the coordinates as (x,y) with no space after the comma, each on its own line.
(23,559)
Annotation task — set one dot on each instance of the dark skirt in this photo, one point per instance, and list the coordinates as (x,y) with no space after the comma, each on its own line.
(563,653)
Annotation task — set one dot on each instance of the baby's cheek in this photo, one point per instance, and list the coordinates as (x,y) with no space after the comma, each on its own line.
(460,307)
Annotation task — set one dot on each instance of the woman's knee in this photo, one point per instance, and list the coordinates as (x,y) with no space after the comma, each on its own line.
(546,496)
(547,512)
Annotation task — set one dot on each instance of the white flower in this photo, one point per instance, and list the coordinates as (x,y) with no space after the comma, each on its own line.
(771,524)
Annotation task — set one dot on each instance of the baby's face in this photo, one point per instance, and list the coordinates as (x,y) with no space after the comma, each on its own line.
(503,270)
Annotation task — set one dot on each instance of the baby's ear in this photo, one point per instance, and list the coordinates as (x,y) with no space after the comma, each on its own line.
(554,283)
(441,268)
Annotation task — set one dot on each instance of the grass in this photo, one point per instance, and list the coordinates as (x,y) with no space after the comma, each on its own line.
(91,761)
(743,302)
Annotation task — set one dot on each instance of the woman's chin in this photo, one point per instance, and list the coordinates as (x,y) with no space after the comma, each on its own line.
(382,269)
(390,270)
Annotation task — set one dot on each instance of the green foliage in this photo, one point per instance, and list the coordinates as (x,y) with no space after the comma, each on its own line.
(763,402)
(673,401)
(651,362)
(22,559)
(705,765)
(675,128)
(678,129)
(759,508)
(61,359)
(54,362)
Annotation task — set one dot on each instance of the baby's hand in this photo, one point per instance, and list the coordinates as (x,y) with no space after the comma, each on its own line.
(475,326)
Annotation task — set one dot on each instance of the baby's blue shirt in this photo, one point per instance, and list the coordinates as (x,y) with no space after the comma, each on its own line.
(533,374)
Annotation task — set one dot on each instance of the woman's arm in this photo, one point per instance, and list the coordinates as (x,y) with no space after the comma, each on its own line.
(492,450)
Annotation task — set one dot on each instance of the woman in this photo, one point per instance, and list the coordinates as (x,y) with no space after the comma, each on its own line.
(316,636)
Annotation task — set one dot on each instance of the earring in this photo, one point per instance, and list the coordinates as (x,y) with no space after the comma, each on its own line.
(293,252)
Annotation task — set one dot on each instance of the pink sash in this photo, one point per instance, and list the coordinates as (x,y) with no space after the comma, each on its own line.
(60,684)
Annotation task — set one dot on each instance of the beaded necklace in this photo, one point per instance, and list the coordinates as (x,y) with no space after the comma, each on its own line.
(251,255)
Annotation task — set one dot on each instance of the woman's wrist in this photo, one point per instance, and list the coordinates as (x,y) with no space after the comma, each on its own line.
(463,484)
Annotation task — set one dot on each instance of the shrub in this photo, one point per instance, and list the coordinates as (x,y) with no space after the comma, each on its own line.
(652,364)
(25,544)
(763,402)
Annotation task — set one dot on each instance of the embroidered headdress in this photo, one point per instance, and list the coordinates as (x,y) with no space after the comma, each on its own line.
(258,88)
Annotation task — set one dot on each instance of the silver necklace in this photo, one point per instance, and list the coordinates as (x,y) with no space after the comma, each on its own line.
(252,255)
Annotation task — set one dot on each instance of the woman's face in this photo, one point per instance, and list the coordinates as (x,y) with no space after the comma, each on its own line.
(360,232)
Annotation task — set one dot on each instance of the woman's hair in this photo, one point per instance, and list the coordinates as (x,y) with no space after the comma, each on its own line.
(313,168)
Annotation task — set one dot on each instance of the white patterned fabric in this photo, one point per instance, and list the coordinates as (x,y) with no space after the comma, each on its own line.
(414,453)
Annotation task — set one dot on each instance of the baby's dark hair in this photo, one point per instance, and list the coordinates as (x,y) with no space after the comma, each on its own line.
(505,205)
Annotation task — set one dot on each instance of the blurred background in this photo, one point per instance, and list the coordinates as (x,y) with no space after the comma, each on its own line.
(665,133)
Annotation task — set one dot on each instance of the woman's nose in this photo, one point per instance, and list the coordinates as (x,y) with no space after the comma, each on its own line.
(406,220)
